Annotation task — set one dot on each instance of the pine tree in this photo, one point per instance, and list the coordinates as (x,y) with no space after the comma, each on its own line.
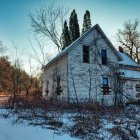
(74,26)
(86,22)
(66,36)
(71,25)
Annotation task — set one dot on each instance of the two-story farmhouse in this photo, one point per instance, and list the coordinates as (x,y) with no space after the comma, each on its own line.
(92,69)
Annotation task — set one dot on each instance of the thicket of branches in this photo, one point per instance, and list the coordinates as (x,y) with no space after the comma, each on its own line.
(129,38)
(14,80)
(50,21)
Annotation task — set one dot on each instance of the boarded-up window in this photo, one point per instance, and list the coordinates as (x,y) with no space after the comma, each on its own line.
(85,54)
(138,87)
(129,87)
(138,95)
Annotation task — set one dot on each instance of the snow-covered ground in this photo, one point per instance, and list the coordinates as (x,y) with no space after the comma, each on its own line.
(8,131)
(122,124)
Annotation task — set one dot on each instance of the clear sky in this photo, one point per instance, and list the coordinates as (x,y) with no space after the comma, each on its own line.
(109,14)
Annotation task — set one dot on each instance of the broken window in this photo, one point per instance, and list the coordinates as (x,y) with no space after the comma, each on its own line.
(104,56)
(85,54)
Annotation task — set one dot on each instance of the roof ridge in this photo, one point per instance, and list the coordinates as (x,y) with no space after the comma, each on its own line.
(69,46)
(96,26)
(129,57)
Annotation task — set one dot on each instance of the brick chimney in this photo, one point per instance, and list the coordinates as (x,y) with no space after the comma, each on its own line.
(120,49)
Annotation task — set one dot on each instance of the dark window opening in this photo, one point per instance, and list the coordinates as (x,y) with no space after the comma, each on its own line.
(58,86)
(85,54)
(104,56)
(47,87)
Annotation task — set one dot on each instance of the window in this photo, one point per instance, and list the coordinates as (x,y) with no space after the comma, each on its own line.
(105,86)
(58,80)
(47,87)
(138,87)
(129,87)
(105,81)
(104,56)
(138,95)
(58,87)
(85,54)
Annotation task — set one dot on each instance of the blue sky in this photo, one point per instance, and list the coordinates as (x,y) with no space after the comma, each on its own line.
(109,14)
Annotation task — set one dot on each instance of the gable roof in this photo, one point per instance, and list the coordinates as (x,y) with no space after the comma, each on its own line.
(127,60)
(67,49)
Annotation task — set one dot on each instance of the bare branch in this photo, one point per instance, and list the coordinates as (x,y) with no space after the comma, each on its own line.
(48,21)
(129,38)
(40,54)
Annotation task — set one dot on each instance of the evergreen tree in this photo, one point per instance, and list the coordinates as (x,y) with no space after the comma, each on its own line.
(86,22)
(66,36)
(74,26)
(71,25)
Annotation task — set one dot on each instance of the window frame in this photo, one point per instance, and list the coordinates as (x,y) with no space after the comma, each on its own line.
(104,58)
(83,54)
(106,80)
(47,87)
(137,87)
(58,89)
(105,86)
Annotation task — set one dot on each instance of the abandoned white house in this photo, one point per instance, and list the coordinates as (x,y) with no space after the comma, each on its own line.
(92,69)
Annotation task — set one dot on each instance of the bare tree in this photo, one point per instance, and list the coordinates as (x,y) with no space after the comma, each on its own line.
(87,76)
(129,38)
(39,53)
(40,56)
(27,80)
(71,73)
(2,48)
(48,21)
(116,83)
(90,77)
(16,73)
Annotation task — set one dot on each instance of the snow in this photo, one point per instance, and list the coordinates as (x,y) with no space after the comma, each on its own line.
(130,73)
(69,47)
(8,131)
(122,123)
(127,60)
